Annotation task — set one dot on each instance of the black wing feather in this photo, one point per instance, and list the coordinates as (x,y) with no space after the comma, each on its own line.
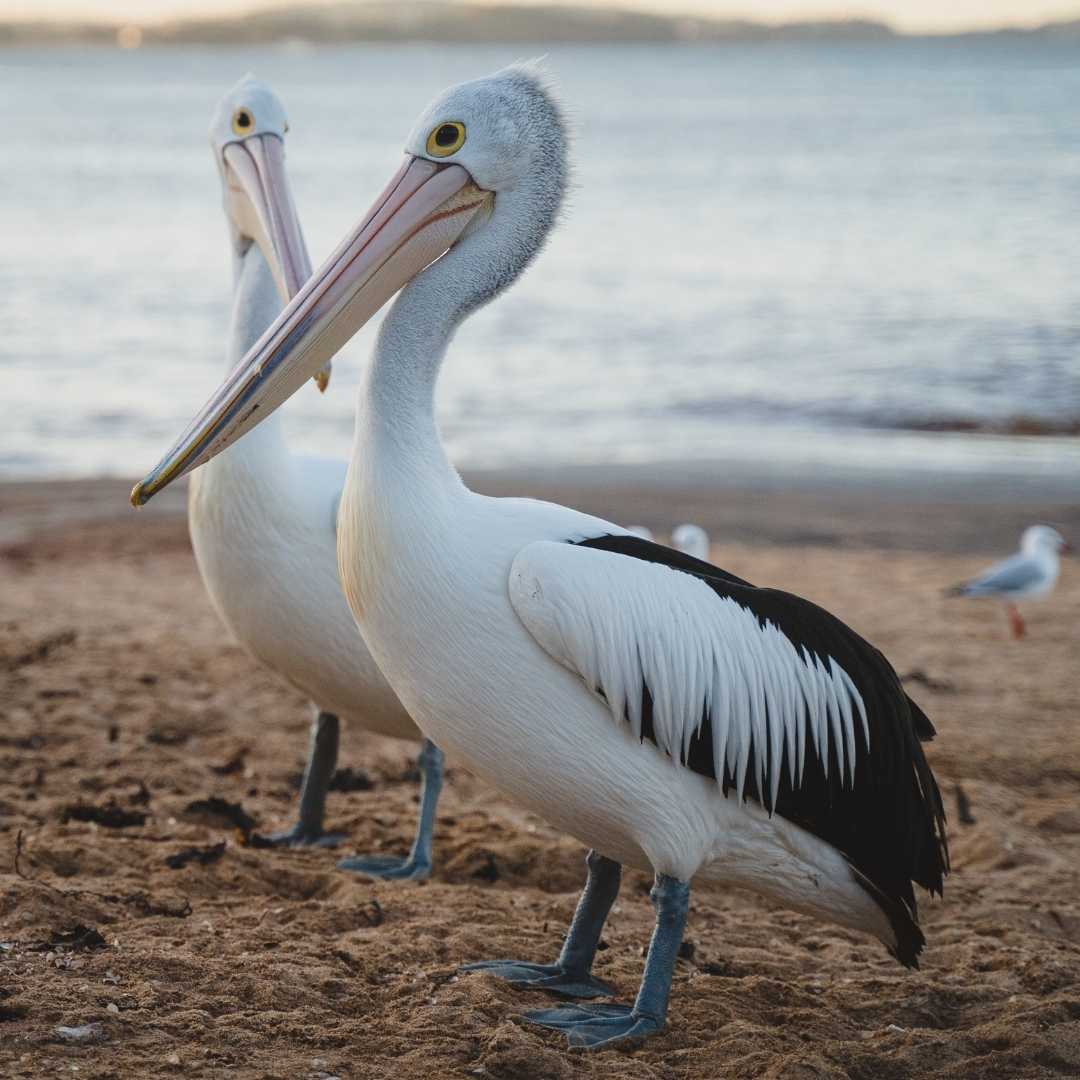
(889,822)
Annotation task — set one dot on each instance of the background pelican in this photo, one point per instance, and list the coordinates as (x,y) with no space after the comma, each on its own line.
(1030,574)
(669,715)
(262,519)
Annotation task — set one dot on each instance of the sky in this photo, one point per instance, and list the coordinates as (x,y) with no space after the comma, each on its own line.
(911,15)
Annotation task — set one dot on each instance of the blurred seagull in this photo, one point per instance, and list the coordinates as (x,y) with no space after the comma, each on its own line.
(1030,574)
(691,540)
(263,520)
(642,531)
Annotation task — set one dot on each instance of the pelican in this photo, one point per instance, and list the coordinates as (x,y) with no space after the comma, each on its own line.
(262,519)
(691,540)
(1030,574)
(669,715)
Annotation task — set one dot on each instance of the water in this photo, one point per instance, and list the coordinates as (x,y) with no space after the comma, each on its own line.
(772,253)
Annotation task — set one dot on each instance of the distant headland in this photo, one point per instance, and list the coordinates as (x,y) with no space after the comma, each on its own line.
(465,23)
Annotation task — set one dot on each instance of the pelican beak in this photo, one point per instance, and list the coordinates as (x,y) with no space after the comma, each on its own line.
(261,203)
(421,214)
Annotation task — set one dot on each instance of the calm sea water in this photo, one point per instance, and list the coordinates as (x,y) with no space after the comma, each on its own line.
(780,253)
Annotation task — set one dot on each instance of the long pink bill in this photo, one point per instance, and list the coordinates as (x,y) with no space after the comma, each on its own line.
(423,211)
(261,200)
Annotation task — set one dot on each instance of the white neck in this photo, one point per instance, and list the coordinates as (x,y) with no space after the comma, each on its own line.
(396,433)
(1045,552)
(256,304)
(395,417)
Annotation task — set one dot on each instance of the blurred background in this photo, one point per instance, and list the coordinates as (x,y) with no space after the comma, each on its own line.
(793,244)
(817,290)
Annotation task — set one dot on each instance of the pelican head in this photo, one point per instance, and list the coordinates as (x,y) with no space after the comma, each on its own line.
(247,135)
(1042,538)
(483,180)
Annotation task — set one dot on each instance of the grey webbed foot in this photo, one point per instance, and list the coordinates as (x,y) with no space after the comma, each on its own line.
(387,867)
(322,758)
(553,978)
(300,837)
(570,975)
(417,865)
(590,1027)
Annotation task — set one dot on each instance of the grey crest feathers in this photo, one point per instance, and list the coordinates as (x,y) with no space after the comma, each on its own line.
(253,94)
(517,148)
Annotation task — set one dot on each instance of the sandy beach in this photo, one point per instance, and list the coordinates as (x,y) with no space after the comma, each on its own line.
(132,901)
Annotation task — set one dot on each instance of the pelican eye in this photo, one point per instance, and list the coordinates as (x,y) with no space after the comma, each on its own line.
(446,139)
(243,122)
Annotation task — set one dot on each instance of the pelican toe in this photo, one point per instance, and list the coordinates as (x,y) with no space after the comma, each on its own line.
(553,978)
(593,1027)
(388,867)
(300,837)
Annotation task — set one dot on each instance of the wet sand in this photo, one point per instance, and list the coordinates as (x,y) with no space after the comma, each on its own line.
(124,701)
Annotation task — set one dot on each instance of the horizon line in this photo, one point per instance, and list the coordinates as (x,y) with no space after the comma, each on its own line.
(17,17)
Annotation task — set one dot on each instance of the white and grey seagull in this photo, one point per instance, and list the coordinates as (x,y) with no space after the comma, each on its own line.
(1030,574)
(671,716)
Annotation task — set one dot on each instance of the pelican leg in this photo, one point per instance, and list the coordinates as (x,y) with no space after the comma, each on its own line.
(589,1027)
(417,865)
(322,760)
(571,974)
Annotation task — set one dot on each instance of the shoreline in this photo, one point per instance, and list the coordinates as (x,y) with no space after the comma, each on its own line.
(903,510)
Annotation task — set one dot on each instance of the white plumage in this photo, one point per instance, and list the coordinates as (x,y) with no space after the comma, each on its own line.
(621,623)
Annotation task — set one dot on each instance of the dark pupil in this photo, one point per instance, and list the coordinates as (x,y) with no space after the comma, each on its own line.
(447,135)
(244,120)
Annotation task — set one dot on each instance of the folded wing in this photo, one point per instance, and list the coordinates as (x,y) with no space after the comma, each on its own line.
(762,690)
(1013,575)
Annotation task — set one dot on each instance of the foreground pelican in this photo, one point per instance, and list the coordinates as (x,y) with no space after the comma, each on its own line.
(262,519)
(669,715)
(1030,574)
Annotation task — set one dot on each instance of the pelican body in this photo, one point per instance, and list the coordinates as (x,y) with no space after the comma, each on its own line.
(1030,574)
(263,520)
(669,715)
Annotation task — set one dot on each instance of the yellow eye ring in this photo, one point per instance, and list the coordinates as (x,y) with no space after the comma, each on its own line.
(446,139)
(243,121)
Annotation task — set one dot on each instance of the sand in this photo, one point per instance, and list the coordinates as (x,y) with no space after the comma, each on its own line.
(123,699)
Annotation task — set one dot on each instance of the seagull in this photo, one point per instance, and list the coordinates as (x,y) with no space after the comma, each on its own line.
(691,540)
(642,531)
(671,716)
(262,519)
(1030,574)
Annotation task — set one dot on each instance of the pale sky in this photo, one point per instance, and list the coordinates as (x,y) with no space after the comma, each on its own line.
(912,15)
